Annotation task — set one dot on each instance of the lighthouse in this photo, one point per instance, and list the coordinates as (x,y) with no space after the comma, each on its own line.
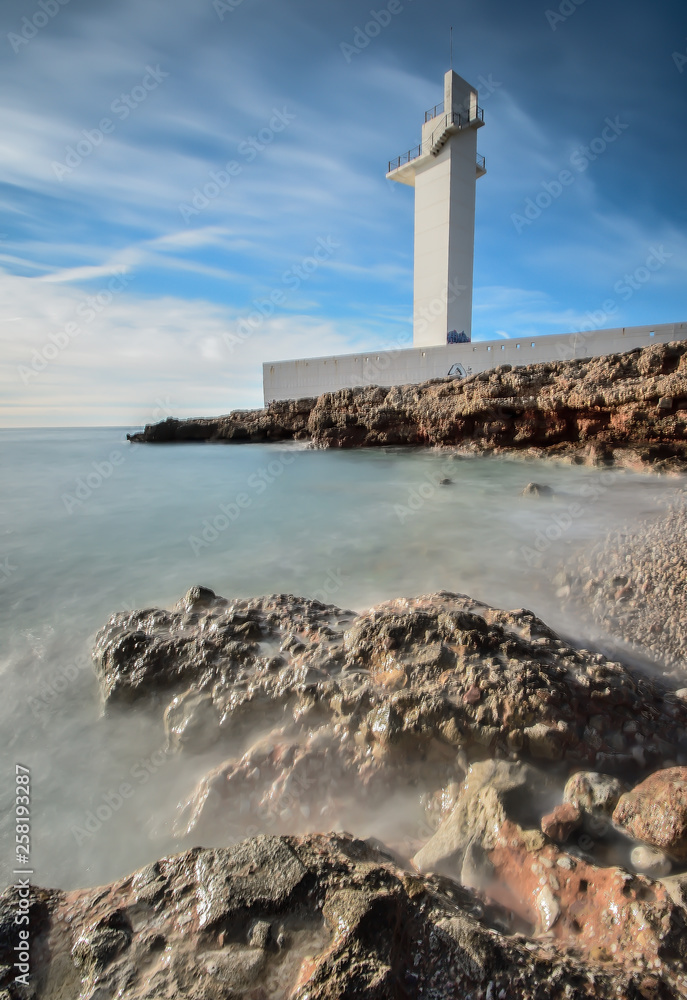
(444,169)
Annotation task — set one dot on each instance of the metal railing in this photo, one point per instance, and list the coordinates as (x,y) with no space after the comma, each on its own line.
(481,164)
(438,109)
(462,120)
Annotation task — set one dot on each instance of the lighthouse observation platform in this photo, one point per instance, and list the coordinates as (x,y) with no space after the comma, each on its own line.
(402,365)
(444,125)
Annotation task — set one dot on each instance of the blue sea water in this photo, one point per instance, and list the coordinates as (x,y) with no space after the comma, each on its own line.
(90,524)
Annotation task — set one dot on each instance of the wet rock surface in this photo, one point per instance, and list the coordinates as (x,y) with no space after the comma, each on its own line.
(410,681)
(512,869)
(318,917)
(631,407)
(512,750)
(602,912)
(561,822)
(655,812)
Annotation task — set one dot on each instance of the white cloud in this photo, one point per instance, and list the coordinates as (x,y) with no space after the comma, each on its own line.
(135,350)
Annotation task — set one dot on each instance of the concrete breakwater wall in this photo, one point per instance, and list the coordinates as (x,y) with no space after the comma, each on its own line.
(410,366)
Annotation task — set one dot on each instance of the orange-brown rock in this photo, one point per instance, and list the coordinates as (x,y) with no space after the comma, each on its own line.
(561,822)
(606,913)
(603,913)
(593,405)
(330,917)
(655,812)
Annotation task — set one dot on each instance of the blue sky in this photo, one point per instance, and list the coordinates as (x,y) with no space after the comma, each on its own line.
(123,301)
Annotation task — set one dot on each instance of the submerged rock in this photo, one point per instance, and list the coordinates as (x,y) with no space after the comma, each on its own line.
(407,683)
(479,814)
(537,490)
(357,705)
(600,912)
(651,862)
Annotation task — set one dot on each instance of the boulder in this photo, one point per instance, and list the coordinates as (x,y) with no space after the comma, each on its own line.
(479,814)
(655,812)
(537,490)
(593,793)
(651,862)
(326,917)
(596,796)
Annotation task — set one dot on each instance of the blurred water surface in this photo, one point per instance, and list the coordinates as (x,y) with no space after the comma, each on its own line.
(90,524)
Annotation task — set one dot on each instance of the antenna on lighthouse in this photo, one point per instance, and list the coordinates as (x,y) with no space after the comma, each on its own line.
(451,37)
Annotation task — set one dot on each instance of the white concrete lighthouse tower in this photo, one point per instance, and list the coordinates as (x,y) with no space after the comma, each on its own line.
(444,169)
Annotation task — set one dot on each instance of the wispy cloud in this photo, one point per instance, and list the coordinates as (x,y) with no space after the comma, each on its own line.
(119,211)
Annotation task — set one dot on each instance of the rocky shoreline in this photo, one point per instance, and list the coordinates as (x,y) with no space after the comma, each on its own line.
(532,795)
(542,851)
(629,408)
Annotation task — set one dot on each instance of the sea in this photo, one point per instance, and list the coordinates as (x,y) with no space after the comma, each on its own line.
(91,525)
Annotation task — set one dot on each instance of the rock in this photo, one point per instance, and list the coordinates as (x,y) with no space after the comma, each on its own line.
(484,841)
(439,700)
(594,794)
(655,812)
(537,490)
(562,822)
(371,703)
(445,482)
(191,721)
(651,862)
(545,741)
(330,916)
(594,409)
(479,813)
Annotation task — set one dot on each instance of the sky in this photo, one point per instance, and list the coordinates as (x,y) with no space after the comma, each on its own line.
(168,168)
